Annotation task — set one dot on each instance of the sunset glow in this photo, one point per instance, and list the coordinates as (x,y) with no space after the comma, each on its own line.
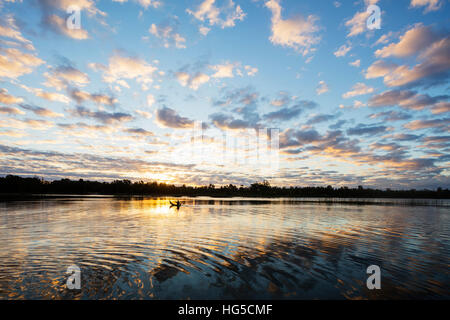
(120,97)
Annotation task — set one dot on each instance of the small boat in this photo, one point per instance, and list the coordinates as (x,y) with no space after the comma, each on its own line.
(177,204)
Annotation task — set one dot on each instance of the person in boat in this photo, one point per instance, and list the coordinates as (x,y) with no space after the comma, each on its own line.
(176,204)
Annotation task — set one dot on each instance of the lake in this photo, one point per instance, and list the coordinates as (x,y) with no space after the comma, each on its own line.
(140,248)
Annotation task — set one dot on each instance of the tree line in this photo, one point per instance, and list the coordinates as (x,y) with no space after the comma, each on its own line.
(33,185)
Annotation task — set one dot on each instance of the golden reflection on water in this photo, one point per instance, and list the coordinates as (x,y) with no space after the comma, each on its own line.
(221,248)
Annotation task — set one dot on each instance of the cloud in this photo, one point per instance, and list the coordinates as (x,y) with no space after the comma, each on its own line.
(11,111)
(9,29)
(358,90)
(363,129)
(169,118)
(403,137)
(86,128)
(150,100)
(167,33)
(322,88)
(50,96)
(384,38)
(241,96)
(443,123)
(284,114)
(391,116)
(26,124)
(14,63)
(63,76)
(342,51)
(431,5)
(122,67)
(357,24)
(144,3)
(139,132)
(226,70)
(433,67)
(43,112)
(413,41)
(297,33)
(56,165)
(85,5)
(59,25)
(440,107)
(7,98)
(355,63)
(223,70)
(405,99)
(144,114)
(101,99)
(102,116)
(251,71)
(356,105)
(193,81)
(228,122)
(223,17)
(283,99)
(321,118)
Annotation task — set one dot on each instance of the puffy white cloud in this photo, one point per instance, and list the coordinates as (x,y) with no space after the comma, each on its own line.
(223,17)
(9,29)
(358,90)
(322,87)
(63,76)
(223,70)
(150,100)
(357,24)
(193,81)
(431,5)
(433,68)
(144,114)
(251,71)
(355,63)
(59,25)
(149,3)
(168,35)
(430,49)
(204,30)
(86,5)
(342,51)
(297,33)
(413,41)
(6,98)
(14,63)
(50,96)
(122,67)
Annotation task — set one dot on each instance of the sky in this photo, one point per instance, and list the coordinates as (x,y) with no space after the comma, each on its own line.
(300,93)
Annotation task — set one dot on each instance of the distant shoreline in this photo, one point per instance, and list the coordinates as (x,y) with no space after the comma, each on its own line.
(19,188)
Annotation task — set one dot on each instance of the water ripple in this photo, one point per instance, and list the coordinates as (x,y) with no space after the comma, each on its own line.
(224,248)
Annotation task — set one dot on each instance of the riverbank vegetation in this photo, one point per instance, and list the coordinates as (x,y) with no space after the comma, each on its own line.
(19,185)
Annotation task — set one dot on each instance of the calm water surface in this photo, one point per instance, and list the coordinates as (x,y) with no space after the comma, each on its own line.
(224,248)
